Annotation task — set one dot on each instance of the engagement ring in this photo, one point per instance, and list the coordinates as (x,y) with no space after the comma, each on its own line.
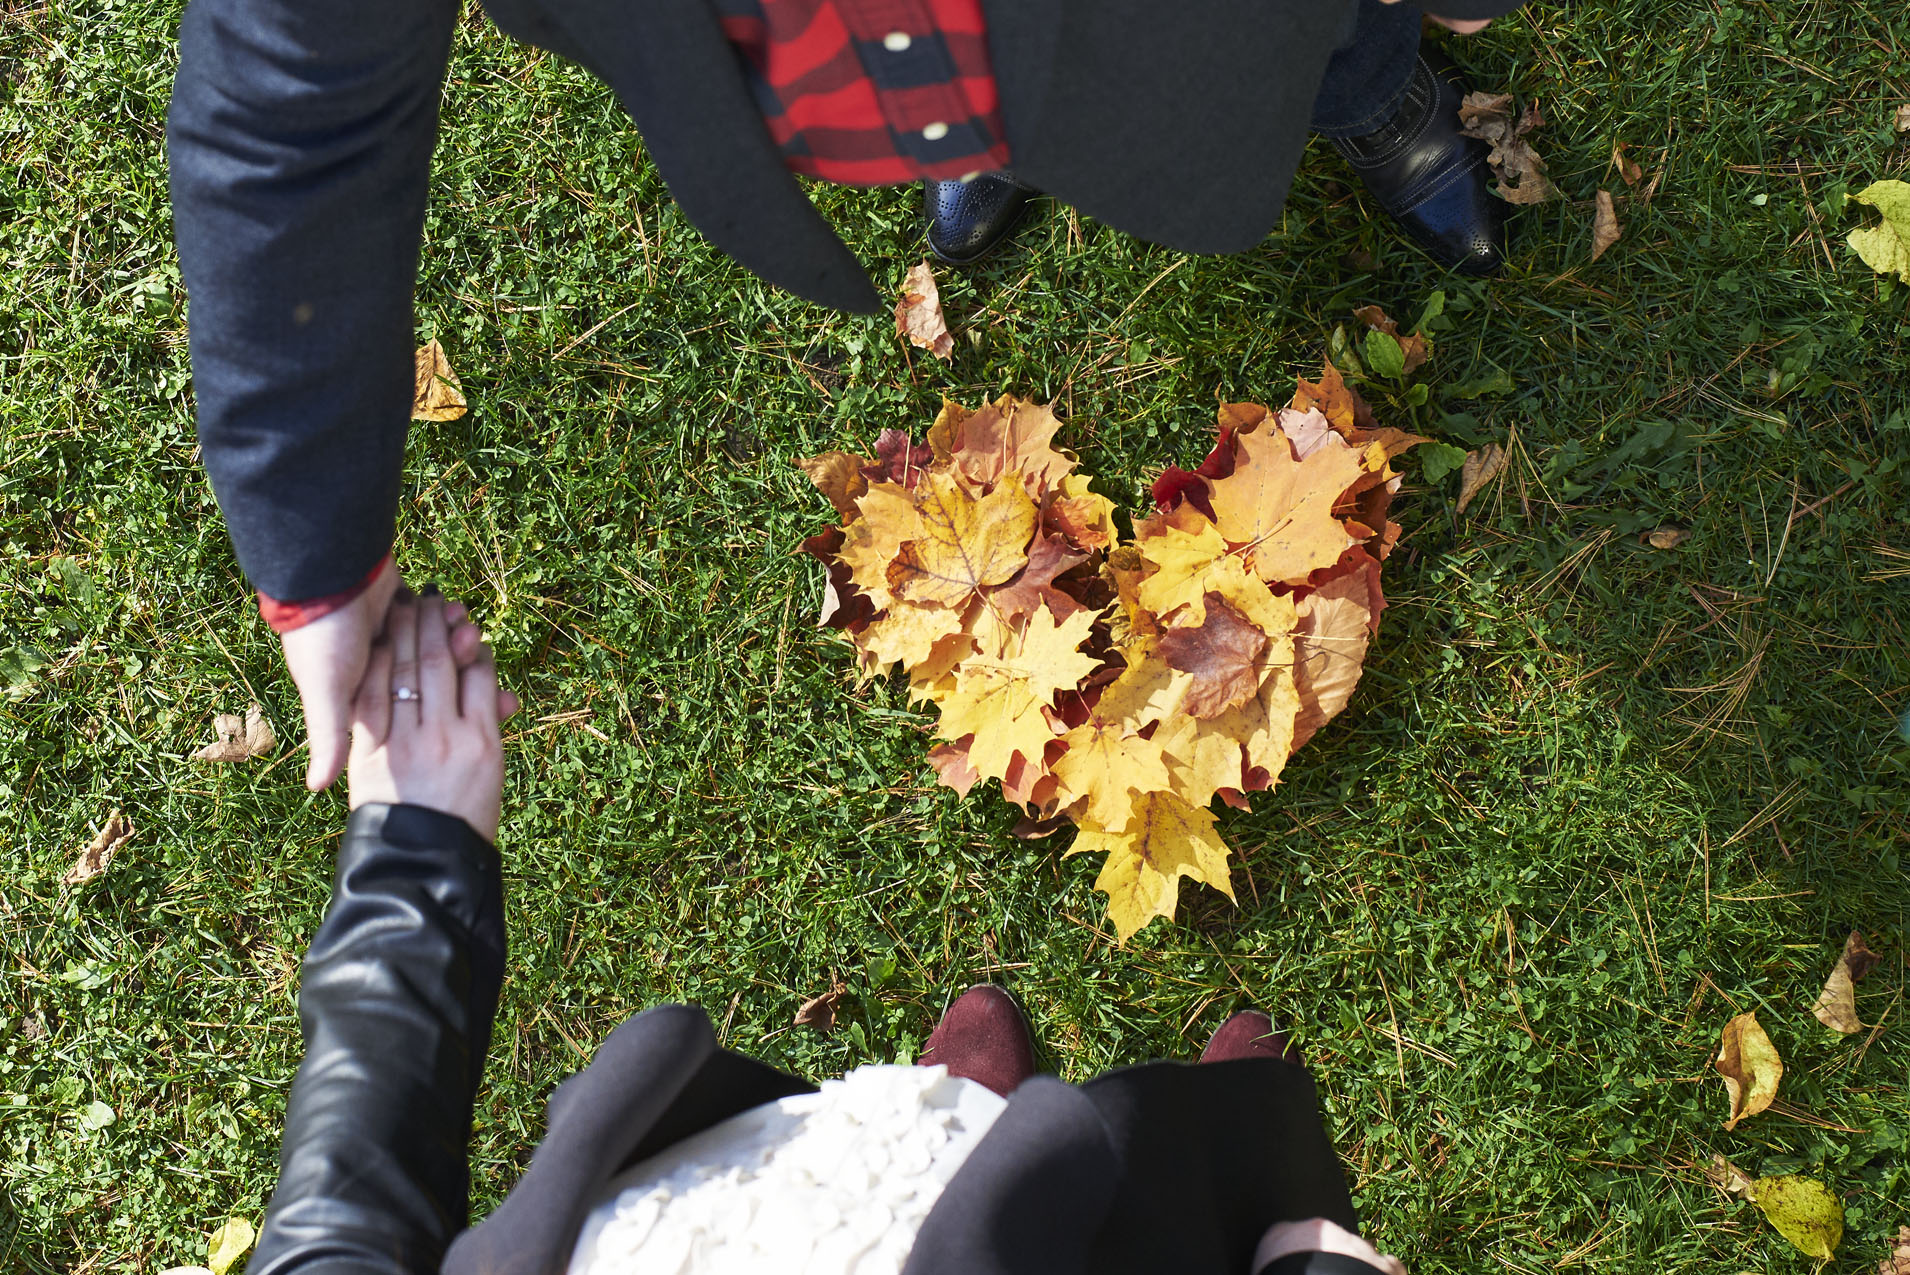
(404,693)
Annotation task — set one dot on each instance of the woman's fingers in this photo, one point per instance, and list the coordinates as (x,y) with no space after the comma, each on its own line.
(437,675)
(401,628)
(478,695)
(507,705)
(371,707)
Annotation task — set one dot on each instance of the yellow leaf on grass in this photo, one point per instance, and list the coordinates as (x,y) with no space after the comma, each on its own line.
(908,634)
(1885,247)
(228,1244)
(1804,1211)
(1750,1066)
(965,543)
(1281,509)
(1108,764)
(1010,436)
(1164,840)
(435,392)
(1200,760)
(1147,690)
(1002,691)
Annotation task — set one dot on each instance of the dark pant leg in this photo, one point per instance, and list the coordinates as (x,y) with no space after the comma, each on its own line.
(1367,77)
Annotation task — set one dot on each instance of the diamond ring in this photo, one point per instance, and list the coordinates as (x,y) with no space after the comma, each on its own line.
(404,693)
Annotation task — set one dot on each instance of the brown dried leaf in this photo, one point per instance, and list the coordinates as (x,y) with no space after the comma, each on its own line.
(1669,536)
(1836,1006)
(1413,347)
(1750,1066)
(1337,621)
(435,392)
(1521,173)
(1898,1260)
(98,855)
(1727,1177)
(819,1012)
(240,738)
(1903,118)
(1481,467)
(1222,653)
(918,315)
(1605,228)
(1628,170)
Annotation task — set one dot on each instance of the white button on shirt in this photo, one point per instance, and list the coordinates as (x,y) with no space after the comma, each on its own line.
(935,132)
(896,42)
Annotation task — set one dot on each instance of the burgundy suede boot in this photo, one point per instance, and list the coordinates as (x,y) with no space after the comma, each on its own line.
(983,1037)
(1249,1034)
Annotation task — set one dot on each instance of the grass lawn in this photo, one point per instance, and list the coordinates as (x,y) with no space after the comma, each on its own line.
(1592,797)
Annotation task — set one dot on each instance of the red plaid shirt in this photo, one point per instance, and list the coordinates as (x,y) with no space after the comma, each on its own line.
(872,92)
(859,92)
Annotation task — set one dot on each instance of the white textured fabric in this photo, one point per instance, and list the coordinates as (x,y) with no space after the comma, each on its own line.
(831,1183)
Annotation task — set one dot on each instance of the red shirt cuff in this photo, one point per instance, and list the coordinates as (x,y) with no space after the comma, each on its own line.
(283,617)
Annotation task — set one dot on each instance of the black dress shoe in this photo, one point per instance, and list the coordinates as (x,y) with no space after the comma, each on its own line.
(1430,176)
(966,219)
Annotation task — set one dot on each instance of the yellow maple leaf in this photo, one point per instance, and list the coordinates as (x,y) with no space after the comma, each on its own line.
(906,633)
(1281,509)
(1108,764)
(1083,516)
(1148,690)
(1009,436)
(1003,690)
(933,679)
(1200,760)
(1163,840)
(872,541)
(1264,724)
(964,543)
(1188,555)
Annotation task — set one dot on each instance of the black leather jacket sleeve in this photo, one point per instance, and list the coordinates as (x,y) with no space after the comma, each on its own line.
(399,989)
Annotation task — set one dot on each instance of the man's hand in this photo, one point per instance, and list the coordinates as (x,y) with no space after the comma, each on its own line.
(1463,26)
(424,724)
(327,659)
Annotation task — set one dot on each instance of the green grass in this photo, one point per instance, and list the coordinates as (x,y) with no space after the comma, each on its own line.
(1591,799)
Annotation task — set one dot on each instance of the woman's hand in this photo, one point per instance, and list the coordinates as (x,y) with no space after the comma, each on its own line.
(424,731)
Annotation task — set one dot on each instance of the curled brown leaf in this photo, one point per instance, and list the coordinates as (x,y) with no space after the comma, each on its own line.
(436,394)
(918,315)
(1605,228)
(1480,468)
(98,854)
(240,738)
(1836,1006)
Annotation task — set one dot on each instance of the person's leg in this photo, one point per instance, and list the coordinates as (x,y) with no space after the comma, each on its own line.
(1390,106)
(1367,78)
(983,1037)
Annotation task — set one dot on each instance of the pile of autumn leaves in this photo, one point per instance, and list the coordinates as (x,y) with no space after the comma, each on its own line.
(1118,686)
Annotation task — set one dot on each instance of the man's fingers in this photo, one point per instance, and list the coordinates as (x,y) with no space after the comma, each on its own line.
(437,675)
(328,736)
(371,712)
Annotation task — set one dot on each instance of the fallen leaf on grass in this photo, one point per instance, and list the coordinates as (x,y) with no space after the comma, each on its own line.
(228,1244)
(240,738)
(1481,467)
(1903,118)
(435,392)
(1836,1006)
(1413,349)
(98,854)
(1897,1262)
(819,1012)
(1521,173)
(1750,1066)
(1222,653)
(1669,536)
(918,315)
(1885,247)
(1628,170)
(1804,1210)
(1605,228)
